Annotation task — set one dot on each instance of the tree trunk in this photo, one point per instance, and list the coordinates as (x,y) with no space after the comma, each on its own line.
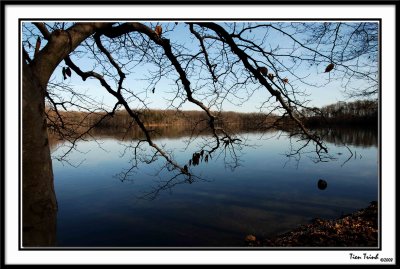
(39,204)
(39,210)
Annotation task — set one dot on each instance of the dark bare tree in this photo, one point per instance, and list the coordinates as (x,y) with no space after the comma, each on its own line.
(219,63)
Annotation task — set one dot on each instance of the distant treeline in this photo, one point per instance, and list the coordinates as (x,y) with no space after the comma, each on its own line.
(357,113)
(361,113)
(190,118)
(121,120)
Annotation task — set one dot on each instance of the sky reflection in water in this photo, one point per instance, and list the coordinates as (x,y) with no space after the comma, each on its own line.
(267,194)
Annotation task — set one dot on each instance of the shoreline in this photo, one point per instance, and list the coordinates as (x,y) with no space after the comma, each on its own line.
(359,229)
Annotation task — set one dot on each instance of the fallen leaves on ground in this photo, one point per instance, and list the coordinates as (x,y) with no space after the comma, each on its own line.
(359,229)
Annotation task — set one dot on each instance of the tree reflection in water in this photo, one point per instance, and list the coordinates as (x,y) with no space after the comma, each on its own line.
(343,137)
(360,137)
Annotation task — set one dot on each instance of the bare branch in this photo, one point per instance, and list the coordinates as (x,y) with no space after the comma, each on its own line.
(245,59)
(42,28)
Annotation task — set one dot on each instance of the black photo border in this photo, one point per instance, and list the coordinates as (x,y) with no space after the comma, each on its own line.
(118,2)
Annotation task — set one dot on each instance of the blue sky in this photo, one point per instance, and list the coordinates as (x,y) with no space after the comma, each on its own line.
(328,90)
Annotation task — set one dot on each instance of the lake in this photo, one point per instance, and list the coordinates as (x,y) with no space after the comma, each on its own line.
(263,192)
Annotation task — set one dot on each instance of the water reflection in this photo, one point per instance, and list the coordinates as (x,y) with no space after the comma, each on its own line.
(262,196)
(360,137)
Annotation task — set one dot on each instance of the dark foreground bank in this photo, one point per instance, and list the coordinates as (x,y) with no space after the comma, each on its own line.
(359,229)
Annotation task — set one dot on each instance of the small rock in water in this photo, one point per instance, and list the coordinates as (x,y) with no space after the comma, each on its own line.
(250,238)
(374,203)
(322,184)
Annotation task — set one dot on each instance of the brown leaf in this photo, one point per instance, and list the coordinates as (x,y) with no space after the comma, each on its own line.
(68,71)
(185,169)
(63,73)
(37,47)
(329,68)
(158,30)
(263,71)
(271,76)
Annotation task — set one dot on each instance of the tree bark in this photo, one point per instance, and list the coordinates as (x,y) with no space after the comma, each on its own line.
(39,204)
(39,209)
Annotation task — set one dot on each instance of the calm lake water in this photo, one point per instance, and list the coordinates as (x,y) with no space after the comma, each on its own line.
(267,194)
